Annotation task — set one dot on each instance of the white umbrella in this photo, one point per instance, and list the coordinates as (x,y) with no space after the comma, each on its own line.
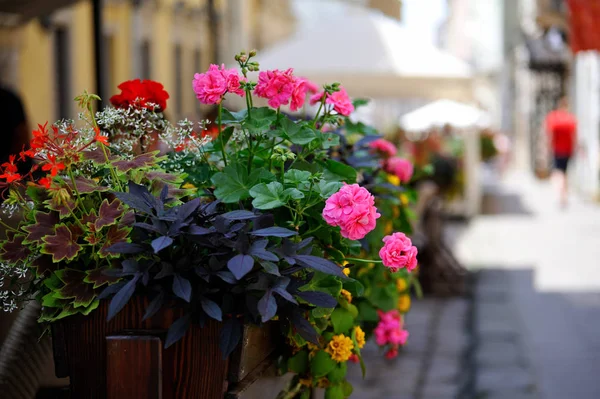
(442,112)
(372,55)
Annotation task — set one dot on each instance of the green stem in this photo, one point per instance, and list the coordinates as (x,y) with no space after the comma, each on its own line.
(271,154)
(220,135)
(363,260)
(248,103)
(282,172)
(8,227)
(110,167)
(319,111)
(75,188)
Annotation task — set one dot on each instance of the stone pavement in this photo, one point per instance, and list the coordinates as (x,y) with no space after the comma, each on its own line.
(537,305)
(430,366)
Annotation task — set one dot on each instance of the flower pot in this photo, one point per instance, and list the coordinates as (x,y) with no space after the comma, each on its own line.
(125,358)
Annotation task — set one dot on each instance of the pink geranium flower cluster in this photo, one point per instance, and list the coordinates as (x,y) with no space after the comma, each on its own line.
(352,208)
(400,167)
(283,88)
(210,87)
(389,331)
(384,147)
(398,252)
(340,100)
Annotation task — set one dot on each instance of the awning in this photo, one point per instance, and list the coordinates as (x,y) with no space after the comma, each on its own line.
(584,25)
(445,112)
(17,12)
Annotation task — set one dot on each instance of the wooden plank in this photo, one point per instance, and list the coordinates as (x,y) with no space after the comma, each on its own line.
(134,367)
(263,382)
(257,344)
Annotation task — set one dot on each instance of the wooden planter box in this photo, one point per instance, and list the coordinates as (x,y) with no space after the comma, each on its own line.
(126,359)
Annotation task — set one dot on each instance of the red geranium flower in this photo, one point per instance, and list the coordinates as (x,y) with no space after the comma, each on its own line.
(45,182)
(139,93)
(53,166)
(99,137)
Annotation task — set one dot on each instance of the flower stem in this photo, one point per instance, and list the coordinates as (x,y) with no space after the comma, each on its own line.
(7,227)
(363,260)
(220,108)
(319,111)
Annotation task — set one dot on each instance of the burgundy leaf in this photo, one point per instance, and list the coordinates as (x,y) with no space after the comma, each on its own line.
(115,234)
(13,249)
(63,207)
(89,217)
(43,265)
(97,156)
(61,245)
(108,213)
(86,186)
(44,225)
(162,176)
(138,162)
(128,219)
(98,277)
(82,293)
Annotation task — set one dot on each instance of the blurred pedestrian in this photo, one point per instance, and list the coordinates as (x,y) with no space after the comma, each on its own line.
(561,127)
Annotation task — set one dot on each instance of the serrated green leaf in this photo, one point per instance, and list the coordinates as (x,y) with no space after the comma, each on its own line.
(321,312)
(298,133)
(328,188)
(228,116)
(233,183)
(295,176)
(342,320)
(337,171)
(325,283)
(321,364)
(267,196)
(292,193)
(330,140)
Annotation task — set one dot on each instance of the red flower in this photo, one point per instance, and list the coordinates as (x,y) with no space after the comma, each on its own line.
(53,166)
(40,137)
(99,137)
(10,177)
(45,182)
(139,93)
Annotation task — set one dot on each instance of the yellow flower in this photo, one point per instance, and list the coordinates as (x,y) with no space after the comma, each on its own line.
(393,179)
(312,348)
(188,186)
(359,334)
(323,383)
(404,303)
(344,263)
(401,285)
(347,295)
(346,271)
(307,382)
(404,199)
(340,348)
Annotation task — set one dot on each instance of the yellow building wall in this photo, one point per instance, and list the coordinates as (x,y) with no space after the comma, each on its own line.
(35,72)
(118,18)
(82,52)
(162,50)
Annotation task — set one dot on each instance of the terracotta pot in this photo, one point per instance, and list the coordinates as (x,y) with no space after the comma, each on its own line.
(126,359)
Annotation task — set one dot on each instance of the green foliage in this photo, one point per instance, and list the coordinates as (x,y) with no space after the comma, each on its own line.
(321,364)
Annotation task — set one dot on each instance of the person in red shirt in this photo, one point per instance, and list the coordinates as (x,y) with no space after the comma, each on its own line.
(561,127)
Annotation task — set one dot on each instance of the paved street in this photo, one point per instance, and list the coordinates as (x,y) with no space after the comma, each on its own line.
(542,285)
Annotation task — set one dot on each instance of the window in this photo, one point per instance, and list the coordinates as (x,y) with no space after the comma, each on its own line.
(62,90)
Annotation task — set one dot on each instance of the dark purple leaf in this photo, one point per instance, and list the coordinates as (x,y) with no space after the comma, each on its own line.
(240,215)
(231,334)
(264,221)
(167,270)
(43,265)
(318,298)
(61,245)
(227,276)
(150,227)
(164,193)
(177,330)
(184,211)
(321,265)
(267,306)
(270,268)
(285,295)
(199,231)
(13,249)
(145,278)
(155,305)
(240,265)
(304,328)
(274,232)
(108,213)
(134,202)
(211,308)
(98,156)
(121,298)
(182,287)
(111,290)
(125,248)
(161,243)
(304,243)
(130,266)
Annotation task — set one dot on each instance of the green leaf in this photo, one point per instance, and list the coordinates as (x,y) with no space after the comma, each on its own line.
(228,117)
(328,284)
(342,320)
(367,312)
(292,193)
(334,392)
(355,287)
(233,184)
(330,140)
(267,196)
(321,364)
(338,373)
(298,133)
(327,188)
(224,137)
(299,362)
(338,171)
(321,312)
(347,388)
(260,119)
(385,298)
(295,176)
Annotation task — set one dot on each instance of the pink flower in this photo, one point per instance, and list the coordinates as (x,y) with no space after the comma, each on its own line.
(392,353)
(352,208)
(400,167)
(341,102)
(398,252)
(398,337)
(298,94)
(310,86)
(383,146)
(390,331)
(211,86)
(276,86)
(316,98)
